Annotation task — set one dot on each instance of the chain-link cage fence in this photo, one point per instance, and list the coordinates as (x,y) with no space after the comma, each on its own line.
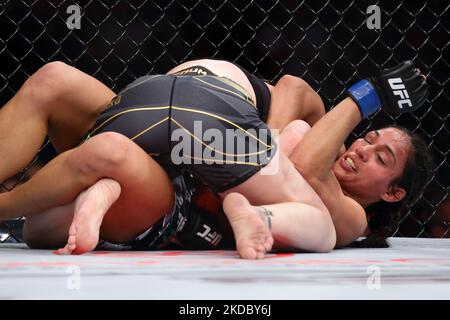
(330,44)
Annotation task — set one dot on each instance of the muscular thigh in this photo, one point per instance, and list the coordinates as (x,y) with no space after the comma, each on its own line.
(78,101)
(147,192)
(143,202)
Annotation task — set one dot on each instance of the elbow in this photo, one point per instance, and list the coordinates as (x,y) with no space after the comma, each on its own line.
(327,244)
(329,238)
(326,247)
(311,107)
(295,86)
(298,85)
(325,232)
(294,83)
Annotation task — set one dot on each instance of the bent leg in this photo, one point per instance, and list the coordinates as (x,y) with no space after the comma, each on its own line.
(291,135)
(59,100)
(146,190)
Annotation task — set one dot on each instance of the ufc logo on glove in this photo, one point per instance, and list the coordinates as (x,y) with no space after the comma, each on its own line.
(397,85)
(384,90)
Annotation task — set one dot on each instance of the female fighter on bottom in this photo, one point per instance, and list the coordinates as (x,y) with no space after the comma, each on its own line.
(287,188)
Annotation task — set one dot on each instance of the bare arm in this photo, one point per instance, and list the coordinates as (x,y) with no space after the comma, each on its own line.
(293,225)
(291,99)
(324,140)
(322,144)
(298,225)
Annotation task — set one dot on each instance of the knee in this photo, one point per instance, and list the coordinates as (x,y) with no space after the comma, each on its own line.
(100,155)
(292,134)
(293,83)
(298,87)
(49,82)
(299,127)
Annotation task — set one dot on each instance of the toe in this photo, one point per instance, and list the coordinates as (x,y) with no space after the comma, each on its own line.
(268,244)
(61,251)
(260,248)
(248,253)
(260,255)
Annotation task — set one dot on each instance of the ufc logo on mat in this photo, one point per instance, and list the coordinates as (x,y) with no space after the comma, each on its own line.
(214,238)
(399,90)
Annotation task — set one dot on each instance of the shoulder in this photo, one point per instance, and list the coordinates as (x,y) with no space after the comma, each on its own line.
(350,221)
(349,217)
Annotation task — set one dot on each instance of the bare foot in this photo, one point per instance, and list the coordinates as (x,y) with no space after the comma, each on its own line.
(253,236)
(90,208)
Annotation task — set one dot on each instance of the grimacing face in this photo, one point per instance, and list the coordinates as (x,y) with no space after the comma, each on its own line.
(370,165)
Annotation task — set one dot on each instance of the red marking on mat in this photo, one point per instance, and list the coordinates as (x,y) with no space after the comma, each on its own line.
(272,258)
(280,255)
(400,260)
(173,253)
(214,259)
(329,262)
(322,262)
(422,260)
(210,253)
(147,254)
(124,254)
(145,263)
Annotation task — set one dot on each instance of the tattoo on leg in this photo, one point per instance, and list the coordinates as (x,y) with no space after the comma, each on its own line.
(268,214)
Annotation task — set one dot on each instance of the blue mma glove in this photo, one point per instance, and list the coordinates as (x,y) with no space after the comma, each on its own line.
(397,90)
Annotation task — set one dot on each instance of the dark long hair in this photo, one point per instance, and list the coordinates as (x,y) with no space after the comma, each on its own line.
(384,217)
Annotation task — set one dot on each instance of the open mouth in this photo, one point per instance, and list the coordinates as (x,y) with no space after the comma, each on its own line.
(350,163)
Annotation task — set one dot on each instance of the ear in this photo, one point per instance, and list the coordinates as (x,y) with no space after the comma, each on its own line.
(394,194)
